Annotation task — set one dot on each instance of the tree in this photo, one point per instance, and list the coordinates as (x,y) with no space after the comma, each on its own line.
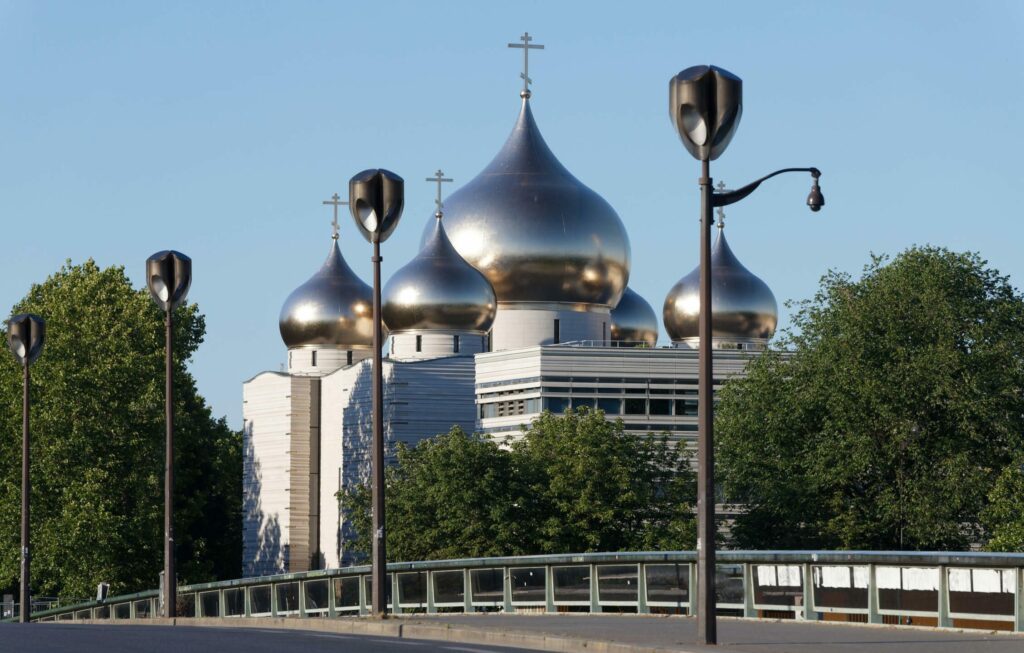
(1004,515)
(97,445)
(886,415)
(574,483)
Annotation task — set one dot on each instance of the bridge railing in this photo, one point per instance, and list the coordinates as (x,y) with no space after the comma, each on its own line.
(967,590)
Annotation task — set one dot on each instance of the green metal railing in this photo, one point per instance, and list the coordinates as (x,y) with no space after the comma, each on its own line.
(984,590)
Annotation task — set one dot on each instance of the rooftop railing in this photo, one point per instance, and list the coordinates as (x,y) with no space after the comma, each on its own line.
(965,590)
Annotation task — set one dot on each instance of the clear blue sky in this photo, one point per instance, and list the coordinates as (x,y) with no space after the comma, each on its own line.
(233,120)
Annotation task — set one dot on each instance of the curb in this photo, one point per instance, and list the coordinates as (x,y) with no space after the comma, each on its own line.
(415,630)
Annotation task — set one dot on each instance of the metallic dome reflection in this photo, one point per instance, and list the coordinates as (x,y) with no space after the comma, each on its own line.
(438,290)
(743,306)
(633,322)
(534,230)
(334,309)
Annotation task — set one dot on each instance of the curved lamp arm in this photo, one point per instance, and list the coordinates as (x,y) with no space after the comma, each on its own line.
(730,197)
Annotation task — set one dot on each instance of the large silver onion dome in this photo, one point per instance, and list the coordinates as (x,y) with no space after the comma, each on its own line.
(333,309)
(633,321)
(535,231)
(438,290)
(743,307)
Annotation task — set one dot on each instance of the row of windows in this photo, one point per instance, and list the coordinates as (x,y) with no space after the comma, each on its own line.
(456,344)
(312,358)
(558,405)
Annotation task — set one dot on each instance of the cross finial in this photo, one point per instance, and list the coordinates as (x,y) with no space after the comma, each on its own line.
(335,201)
(525,75)
(439,179)
(721,212)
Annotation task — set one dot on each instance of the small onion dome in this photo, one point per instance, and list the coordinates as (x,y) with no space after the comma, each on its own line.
(743,308)
(334,309)
(535,231)
(634,322)
(438,290)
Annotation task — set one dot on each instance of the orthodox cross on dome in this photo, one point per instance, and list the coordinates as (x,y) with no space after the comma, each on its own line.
(335,201)
(439,179)
(721,211)
(526,47)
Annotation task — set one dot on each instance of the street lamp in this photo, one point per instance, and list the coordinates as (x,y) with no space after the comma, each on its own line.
(25,335)
(706,104)
(376,198)
(169,275)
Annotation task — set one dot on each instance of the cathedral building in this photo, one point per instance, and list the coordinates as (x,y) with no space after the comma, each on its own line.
(517,303)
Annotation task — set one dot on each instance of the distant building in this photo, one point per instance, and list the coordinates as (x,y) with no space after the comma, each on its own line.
(516,304)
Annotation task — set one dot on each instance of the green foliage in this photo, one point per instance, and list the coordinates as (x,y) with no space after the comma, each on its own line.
(97,427)
(574,483)
(1004,514)
(897,404)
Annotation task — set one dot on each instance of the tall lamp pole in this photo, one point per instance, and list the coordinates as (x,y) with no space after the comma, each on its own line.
(25,335)
(705,104)
(377,197)
(169,275)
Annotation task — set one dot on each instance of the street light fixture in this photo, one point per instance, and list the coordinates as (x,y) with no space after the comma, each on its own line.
(169,276)
(377,197)
(706,104)
(25,335)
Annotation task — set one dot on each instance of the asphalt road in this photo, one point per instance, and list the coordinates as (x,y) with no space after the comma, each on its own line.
(61,638)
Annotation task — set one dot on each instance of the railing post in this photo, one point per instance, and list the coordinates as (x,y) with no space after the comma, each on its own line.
(467,591)
(131,610)
(302,598)
(595,597)
(873,616)
(549,589)
(246,602)
(362,595)
(691,590)
(332,604)
(395,599)
(430,592)
(506,590)
(944,620)
(748,591)
(1018,601)
(641,590)
(223,603)
(273,599)
(808,588)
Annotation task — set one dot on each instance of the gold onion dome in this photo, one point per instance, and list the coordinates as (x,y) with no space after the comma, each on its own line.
(535,231)
(333,309)
(438,290)
(743,308)
(633,321)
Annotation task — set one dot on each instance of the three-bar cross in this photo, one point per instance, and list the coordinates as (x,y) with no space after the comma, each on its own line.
(335,201)
(438,179)
(526,47)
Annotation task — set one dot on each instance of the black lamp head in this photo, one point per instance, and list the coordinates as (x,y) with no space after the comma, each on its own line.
(376,200)
(815,200)
(25,335)
(705,104)
(169,276)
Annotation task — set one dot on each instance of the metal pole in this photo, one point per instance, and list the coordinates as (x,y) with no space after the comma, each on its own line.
(706,625)
(379,572)
(170,580)
(26,600)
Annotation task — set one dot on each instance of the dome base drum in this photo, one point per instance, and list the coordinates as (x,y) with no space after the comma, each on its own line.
(529,325)
(427,344)
(318,361)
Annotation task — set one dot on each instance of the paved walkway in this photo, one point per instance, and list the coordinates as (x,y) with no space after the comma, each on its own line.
(593,634)
(739,635)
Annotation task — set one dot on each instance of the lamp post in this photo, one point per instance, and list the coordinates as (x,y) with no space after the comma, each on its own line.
(25,335)
(169,275)
(705,104)
(377,197)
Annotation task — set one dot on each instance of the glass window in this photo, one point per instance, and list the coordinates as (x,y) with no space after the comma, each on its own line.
(686,407)
(528,584)
(316,594)
(487,585)
(346,592)
(661,407)
(582,401)
(488,410)
(617,583)
(412,588)
(533,405)
(455,344)
(635,406)
(609,406)
(210,603)
(448,587)
(234,602)
(287,597)
(572,583)
(259,599)
(668,583)
(314,358)
(556,405)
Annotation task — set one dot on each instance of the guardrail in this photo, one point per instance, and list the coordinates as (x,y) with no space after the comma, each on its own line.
(967,590)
